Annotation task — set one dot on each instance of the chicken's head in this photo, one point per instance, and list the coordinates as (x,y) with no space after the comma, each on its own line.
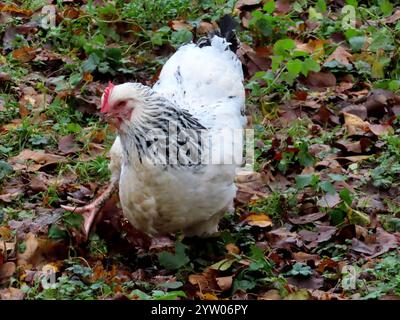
(120,104)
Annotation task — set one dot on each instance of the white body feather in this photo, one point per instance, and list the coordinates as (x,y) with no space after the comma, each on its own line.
(208,83)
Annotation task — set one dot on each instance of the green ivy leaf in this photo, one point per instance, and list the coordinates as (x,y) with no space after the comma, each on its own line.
(174,261)
(386,7)
(91,63)
(5,169)
(181,36)
(283,46)
(56,233)
(346,196)
(327,187)
(269,7)
(310,65)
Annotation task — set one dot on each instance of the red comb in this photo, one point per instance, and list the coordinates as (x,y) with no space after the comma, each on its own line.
(105,107)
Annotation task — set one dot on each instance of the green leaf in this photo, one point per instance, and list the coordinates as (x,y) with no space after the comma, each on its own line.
(265,26)
(294,67)
(337,177)
(181,36)
(321,6)
(310,65)
(5,169)
(171,285)
(327,187)
(74,220)
(56,233)
(283,46)
(346,196)
(74,79)
(91,63)
(173,261)
(382,40)
(305,180)
(357,43)
(171,295)
(269,7)
(223,265)
(244,285)
(337,216)
(386,7)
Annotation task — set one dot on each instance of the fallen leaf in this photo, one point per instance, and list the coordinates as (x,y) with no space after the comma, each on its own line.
(340,55)
(7,270)
(11,294)
(40,159)
(177,25)
(272,294)
(329,200)
(259,220)
(376,244)
(67,145)
(231,248)
(357,110)
(307,218)
(225,283)
(24,54)
(354,124)
(381,129)
(313,282)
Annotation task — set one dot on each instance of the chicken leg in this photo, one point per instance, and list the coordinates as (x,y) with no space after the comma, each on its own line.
(91,210)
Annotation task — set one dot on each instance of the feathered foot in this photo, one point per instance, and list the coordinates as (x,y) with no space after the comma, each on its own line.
(90,211)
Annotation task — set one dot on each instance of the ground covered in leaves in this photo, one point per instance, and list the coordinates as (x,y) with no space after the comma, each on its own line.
(320,218)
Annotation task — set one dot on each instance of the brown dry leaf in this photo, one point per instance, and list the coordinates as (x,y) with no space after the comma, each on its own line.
(242,3)
(250,186)
(208,296)
(205,28)
(14,9)
(282,238)
(30,99)
(32,161)
(224,283)
(24,54)
(272,294)
(259,220)
(283,6)
(381,129)
(307,218)
(306,257)
(340,55)
(356,109)
(7,270)
(354,124)
(9,197)
(231,248)
(329,200)
(313,282)
(206,281)
(11,294)
(320,80)
(314,47)
(67,145)
(355,158)
(161,243)
(177,25)
(376,244)
(393,18)
(31,248)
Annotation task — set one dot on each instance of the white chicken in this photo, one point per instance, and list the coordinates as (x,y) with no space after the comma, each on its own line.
(180,181)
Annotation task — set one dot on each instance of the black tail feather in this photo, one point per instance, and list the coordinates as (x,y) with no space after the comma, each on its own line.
(227,26)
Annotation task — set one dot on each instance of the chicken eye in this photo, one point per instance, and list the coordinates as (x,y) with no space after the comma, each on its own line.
(120,104)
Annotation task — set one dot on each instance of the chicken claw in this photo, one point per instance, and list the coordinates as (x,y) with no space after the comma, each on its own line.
(90,211)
